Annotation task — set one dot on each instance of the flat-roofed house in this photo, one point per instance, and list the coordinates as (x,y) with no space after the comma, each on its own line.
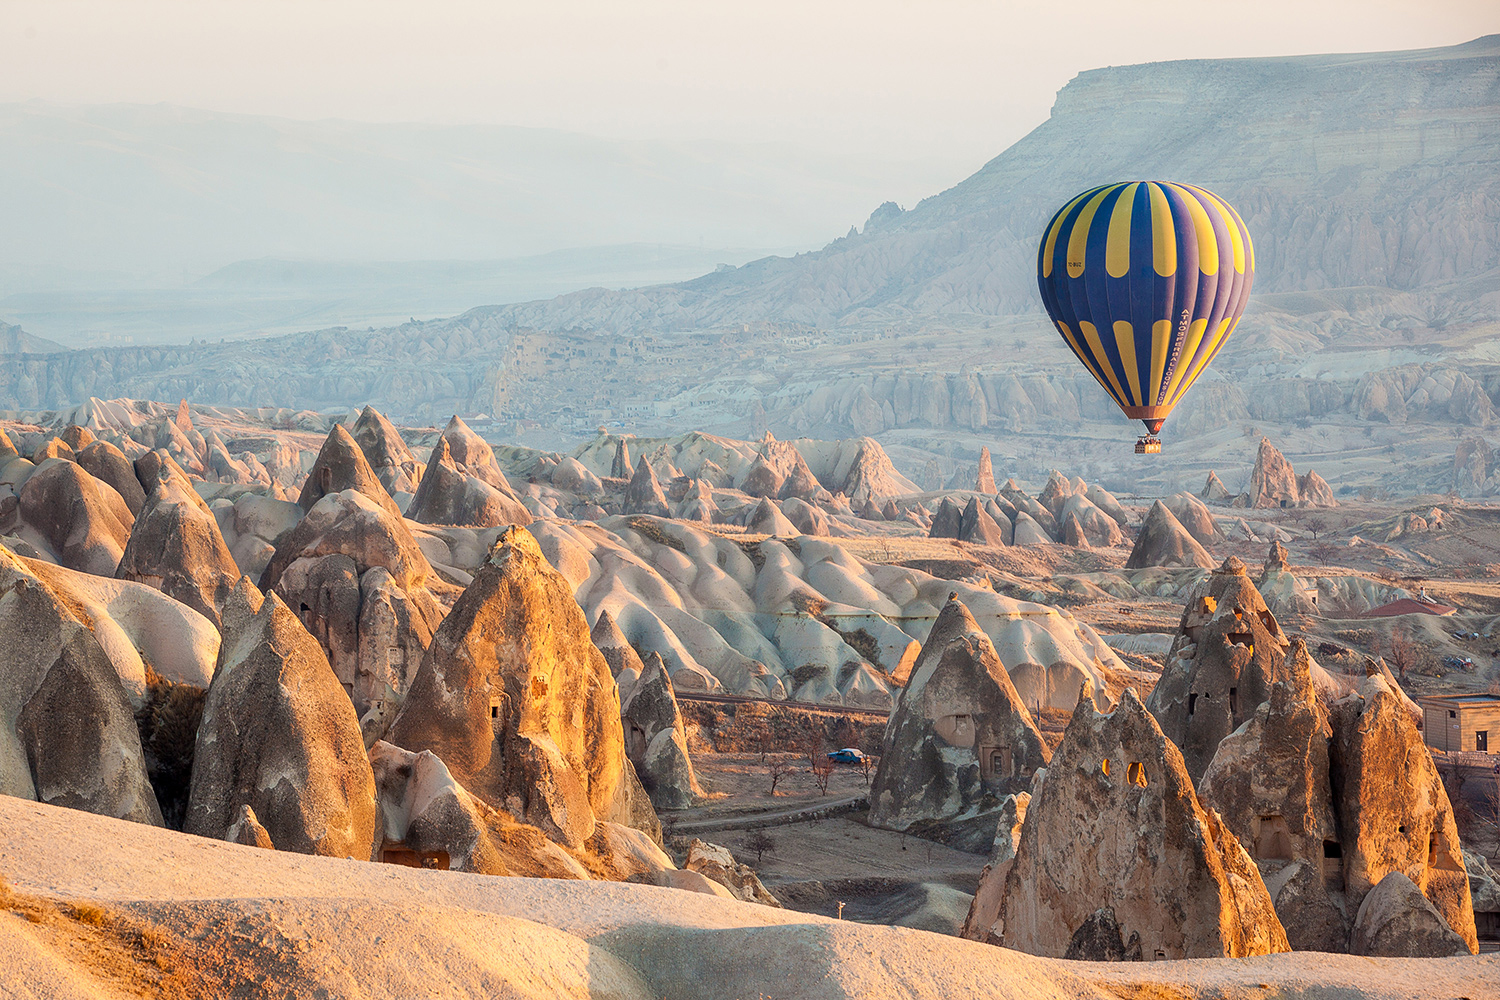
(1459,723)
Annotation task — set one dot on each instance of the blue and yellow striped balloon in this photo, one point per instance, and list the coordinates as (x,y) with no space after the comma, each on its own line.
(1146,281)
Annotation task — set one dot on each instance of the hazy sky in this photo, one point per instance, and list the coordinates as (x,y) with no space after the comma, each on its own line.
(950,79)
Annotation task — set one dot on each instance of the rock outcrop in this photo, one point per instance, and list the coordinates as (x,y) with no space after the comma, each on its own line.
(175,546)
(985,481)
(644,494)
(1396,920)
(1283,592)
(108,464)
(624,662)
(360,584)
(473,456)
(84,521)
(389,457)
(1118,861)
(717,863)
(1269,783)
(425,811)
(67,729)
(1163,541)
(279,735)
(449,494)
(340,466)
(1393,810)
(1228,652)
(519,703)
(1274,483)
(1214,490)
(981,922)
(959,740)
(655,740)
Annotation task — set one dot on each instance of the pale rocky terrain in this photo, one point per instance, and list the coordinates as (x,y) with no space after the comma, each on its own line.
(543,689)
(200,918)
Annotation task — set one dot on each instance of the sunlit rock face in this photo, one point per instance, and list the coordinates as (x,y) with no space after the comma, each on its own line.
(519,703)
(959,741)
(1118,861)
(1393,811)
(1228,652)
(1269,783)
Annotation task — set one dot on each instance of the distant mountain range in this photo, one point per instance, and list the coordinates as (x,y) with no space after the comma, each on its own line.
(1350,170)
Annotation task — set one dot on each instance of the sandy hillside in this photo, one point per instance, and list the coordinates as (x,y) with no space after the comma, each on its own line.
(101,908)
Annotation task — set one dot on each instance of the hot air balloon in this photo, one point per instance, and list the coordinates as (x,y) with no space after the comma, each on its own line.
(1146,280)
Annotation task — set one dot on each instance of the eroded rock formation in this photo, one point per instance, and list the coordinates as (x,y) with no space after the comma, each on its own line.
(655,740)
(959,740)
(1228,652)
(280,736)
(67,729)
(1118,861)
(519,703)
(1163,541)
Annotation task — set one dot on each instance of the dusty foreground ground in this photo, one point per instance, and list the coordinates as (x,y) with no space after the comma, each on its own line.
(101,908)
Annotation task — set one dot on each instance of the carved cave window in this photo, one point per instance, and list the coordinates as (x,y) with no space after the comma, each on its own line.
(1136,774)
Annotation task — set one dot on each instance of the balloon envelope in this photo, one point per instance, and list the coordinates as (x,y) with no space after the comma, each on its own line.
(1146,281)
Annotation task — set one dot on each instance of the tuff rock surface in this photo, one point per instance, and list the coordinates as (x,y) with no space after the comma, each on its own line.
(280,736)
(1117,859)
(960,739)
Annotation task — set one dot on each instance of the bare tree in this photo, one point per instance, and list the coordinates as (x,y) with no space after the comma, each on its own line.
(761,843)
(867,764)
(778,768)
(822,771)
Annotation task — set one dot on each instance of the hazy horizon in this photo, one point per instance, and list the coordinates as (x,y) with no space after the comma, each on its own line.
(957,79)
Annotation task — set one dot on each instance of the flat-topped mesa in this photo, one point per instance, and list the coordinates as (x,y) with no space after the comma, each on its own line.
(644,494)
(959,740)
(1269,782)
(392,461)
(340,466)
(984,482)
(1117,860)
(448,494)
(1228,652)
(1163,541)
(519,703)
(279,735)
(67,728)
(175,545)
(655,740)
